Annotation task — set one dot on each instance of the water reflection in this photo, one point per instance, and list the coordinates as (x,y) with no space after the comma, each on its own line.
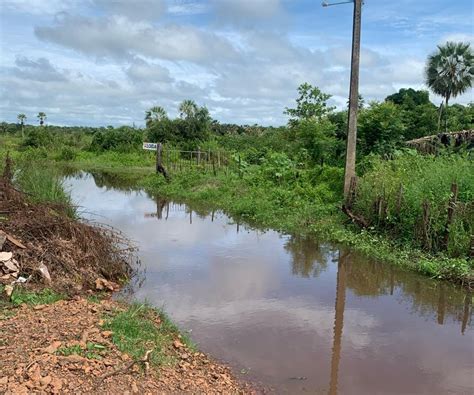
(338,320)
(284,307)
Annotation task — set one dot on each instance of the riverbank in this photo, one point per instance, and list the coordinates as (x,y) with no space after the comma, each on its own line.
(278,196)
(84,345)
(60,330)
(292,210)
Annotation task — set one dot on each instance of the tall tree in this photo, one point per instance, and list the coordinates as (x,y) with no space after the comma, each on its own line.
(42,117)
(311,104)
(449,71)
(188,109)
(22,119)
(155,114)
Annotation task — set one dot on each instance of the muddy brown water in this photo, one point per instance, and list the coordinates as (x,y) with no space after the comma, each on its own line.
(292,313)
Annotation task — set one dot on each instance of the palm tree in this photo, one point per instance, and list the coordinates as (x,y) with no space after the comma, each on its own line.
(22,119)
(156,113)
(188,109)
(42,117)
(449,72)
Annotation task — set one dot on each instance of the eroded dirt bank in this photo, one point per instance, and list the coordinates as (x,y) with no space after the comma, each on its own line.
(35,343)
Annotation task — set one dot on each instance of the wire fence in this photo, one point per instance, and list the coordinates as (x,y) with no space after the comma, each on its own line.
(207,161)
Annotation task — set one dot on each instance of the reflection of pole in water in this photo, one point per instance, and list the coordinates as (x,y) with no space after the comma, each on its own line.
(338,322)
(238,226)
(191,216)
(391,281)
(441,305)
(167,210)
(466,312)
(212,216)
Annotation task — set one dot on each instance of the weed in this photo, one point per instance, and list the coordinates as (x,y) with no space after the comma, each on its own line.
(140,328)
(91,351)
(46,296)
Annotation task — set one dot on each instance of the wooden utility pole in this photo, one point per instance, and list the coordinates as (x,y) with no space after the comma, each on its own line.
(353,100)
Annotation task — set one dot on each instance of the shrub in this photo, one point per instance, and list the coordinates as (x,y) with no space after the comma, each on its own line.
(408,198)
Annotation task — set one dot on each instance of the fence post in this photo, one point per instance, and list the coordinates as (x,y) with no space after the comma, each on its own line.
(199,156)
(159,164)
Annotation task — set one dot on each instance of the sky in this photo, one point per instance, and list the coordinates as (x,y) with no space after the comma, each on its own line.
(105,62)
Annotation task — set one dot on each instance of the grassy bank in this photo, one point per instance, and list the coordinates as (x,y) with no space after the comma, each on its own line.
(310,204)
(278,192)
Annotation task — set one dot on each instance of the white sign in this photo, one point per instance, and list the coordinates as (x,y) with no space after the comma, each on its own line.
(150,146)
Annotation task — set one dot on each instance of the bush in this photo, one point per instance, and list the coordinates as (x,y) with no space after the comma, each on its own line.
(123,139)
(67,154)
(408,198)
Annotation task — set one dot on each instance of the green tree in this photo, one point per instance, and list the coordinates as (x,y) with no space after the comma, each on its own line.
(311,103)
(188,109)
(42,117)
(449,71)
(155,114)
(381,128)
(419,114)
(22,119)
(318,138)
(409,97)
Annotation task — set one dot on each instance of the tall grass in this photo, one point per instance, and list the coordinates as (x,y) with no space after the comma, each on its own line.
(44,184)
(394,194)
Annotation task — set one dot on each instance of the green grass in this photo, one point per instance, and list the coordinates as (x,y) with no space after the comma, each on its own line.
(46,296)
(91,351)
(281,195)
(140,328)
(43,184)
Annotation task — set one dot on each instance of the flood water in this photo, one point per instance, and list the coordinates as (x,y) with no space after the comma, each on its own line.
(292,313)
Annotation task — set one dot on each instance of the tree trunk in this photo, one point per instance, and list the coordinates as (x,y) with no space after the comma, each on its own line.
(446,115)
(440,113)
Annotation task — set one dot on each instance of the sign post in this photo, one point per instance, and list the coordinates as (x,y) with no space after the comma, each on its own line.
(158,147)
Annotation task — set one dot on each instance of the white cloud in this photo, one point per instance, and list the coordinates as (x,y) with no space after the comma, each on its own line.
(134,10)
(119,38)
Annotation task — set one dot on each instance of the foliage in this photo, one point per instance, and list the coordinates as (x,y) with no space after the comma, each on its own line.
(391,197)
(311,103)
(450,71)
(381,128)
(409,97)
(317,138)
(41,117)
(46,296)
(155,114)
(122,139)
(192,127)
(140,328)
(38,137)
(42,183)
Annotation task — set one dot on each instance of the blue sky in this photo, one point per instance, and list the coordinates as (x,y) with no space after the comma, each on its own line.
(104,62)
